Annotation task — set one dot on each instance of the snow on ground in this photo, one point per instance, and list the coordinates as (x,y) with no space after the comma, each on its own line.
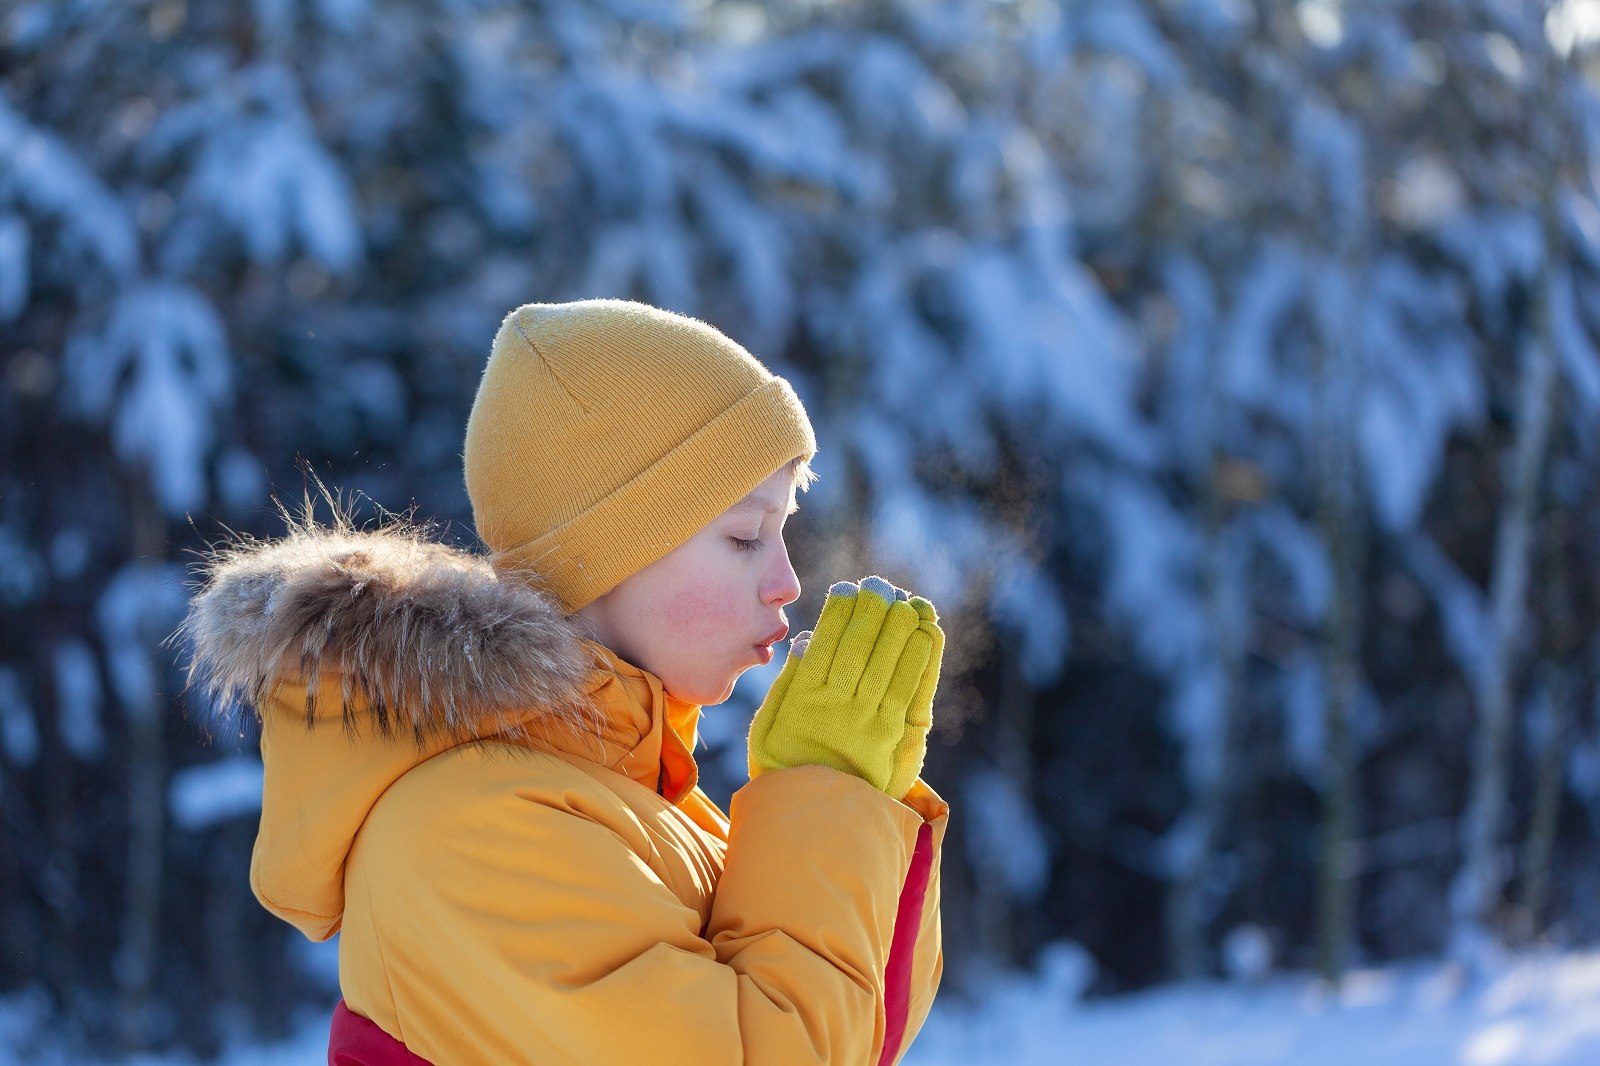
(1540,1010)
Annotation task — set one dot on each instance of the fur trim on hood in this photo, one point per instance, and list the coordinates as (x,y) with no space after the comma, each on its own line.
(426,637)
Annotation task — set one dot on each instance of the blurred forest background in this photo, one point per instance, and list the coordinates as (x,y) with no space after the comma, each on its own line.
(1226,371)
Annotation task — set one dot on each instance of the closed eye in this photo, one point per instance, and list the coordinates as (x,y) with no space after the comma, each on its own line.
(747,545)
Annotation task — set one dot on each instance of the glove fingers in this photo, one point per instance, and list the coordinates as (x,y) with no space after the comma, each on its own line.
(856,694)
(766,715)
(860,634)
(920,710)
(909,756)
(912,749)
(780,684)
(837,611)
(908,671)
(888,657)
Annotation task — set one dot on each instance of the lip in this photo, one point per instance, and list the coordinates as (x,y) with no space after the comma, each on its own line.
(777,635)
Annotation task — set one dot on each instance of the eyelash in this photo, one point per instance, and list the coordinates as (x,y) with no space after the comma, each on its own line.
(747,545)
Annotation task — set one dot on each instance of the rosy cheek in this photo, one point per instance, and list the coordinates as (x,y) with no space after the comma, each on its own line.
(699,608)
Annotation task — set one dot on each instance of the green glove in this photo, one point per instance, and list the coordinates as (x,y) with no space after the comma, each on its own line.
(858,696)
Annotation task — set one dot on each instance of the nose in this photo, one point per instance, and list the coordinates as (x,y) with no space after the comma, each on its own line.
(782,585)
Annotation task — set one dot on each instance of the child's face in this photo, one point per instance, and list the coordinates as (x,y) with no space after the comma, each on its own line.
(696,616)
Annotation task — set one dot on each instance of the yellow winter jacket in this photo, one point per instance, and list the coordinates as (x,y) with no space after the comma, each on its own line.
(502,819)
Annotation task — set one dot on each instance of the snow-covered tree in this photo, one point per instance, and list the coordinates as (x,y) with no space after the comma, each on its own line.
(1173,347)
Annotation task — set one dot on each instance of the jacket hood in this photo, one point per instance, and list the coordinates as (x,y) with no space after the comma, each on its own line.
(413,647)
(422,636)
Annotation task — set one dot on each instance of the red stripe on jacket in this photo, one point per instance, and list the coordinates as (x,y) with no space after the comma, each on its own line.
(907,922)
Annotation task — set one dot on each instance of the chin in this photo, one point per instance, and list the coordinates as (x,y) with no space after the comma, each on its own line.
(705,697)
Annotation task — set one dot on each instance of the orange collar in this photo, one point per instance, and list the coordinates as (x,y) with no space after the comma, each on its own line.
(644,731)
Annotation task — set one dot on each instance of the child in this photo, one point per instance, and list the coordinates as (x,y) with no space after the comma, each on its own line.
(481,768)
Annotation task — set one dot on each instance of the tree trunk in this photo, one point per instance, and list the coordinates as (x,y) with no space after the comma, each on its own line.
(60,961)
(1484,871)
(1341,383)
(1477,894)
(1540,841)
(135,965)
(1341,649)
(1212,788)
(1012,736)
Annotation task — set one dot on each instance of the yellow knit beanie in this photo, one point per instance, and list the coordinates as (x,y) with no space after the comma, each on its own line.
(606,433)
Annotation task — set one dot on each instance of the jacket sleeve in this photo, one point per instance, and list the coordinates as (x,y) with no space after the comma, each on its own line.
(798,882)
(552,940)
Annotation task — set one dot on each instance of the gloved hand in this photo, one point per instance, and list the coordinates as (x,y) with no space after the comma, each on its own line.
(858,694)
